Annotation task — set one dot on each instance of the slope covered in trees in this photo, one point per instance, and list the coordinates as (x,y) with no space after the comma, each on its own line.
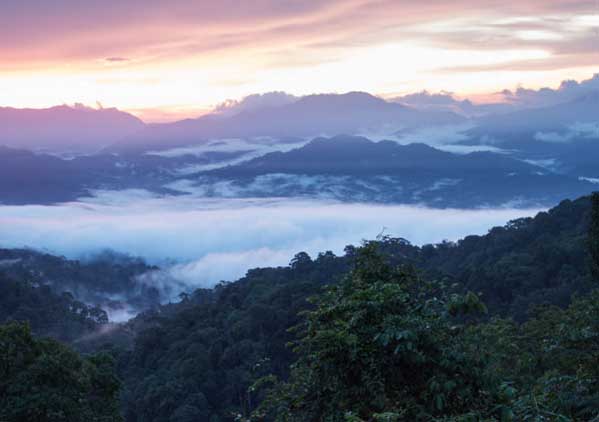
(59,316)
(528,261)
(44,381)
(107,279)
(387,336)
(200,358)
(385,346)
(353,168)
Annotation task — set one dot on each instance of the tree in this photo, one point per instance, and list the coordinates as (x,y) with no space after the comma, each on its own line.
(382,346)
(300,261)
(593,237)
(44,381)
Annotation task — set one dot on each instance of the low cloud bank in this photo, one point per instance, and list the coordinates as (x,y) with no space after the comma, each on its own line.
(567,91)
(200,241)
(255,102)
(247,148)
(584,131)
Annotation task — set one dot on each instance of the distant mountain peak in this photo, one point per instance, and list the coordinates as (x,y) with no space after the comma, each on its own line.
(308,117)
(352,98)
(65,127)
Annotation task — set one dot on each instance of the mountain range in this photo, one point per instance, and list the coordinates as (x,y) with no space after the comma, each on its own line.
(310,116)
(261,147)
(554,124)
(342,168)
(355,169)
(64,128)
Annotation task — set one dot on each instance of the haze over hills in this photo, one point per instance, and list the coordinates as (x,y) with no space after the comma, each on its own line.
(343,168)
(355,169)
(542,152)
(281,115)
(64,128)
(353,155)
(309,116)
(560,123)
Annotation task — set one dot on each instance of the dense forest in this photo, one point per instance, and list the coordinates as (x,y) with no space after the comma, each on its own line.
(498,327)
(59,316)
(106,279)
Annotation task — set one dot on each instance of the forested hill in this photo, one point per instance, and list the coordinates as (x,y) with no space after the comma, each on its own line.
(49,314)
(199,357)
(197,360)
(107,279)
(528,261)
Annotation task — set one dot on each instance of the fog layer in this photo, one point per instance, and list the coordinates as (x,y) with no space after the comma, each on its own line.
(203,241)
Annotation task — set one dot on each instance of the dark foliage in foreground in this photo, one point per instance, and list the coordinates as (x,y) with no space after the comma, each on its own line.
(385,338)
(202,356)
(44,381)
(385,346)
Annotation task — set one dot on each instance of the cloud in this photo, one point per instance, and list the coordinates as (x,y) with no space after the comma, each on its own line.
(590,179)
(192,54)
(255,102)
(576,131)
(425,98)
(446,138)
(201,241)
(547,163)
(244,150)
(116,59)
(60,29)
(205,271)
(447,101)
(567,91)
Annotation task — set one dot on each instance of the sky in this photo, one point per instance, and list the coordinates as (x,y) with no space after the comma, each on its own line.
(164,60)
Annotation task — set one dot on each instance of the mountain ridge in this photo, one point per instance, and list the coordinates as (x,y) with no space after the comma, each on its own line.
(60,128)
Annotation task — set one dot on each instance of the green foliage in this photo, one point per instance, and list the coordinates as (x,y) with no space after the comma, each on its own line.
(540,260)
(208,351)
(216,344)
(49,314)
(549,363)
(594,235)
(565,345)
(44,381)
(383,346)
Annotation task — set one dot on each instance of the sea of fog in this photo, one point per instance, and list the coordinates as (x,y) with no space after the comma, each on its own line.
(202,241)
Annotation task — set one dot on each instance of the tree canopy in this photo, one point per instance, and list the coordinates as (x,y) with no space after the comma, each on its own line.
(45,381)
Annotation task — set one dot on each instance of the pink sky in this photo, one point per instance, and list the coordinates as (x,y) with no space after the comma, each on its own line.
(170,59)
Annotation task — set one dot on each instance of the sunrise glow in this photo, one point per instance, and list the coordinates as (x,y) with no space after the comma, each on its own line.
(168,62)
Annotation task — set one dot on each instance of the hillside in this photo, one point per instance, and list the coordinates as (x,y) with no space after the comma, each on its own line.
(28,177)
(107,280)
(207,350)
(64,128)
(558,119)
(349,155)
(354,169)
(310,116)
(49,314)
(200,356)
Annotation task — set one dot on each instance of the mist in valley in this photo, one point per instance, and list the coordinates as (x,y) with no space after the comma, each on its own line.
(198,242)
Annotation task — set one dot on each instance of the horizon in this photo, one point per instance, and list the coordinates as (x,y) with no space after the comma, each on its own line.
(166,63)
(502,95)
